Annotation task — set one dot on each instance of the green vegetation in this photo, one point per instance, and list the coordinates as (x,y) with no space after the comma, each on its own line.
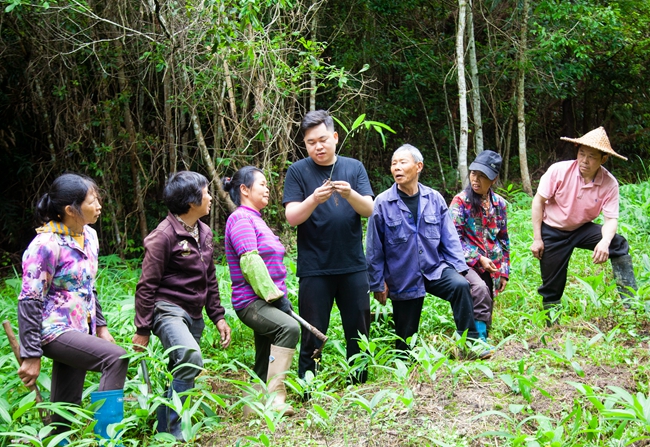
(128,91)
(583,381)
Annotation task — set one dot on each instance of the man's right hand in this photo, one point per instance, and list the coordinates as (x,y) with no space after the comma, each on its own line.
(323,193)
(537,248)
(381,296)
(140,342)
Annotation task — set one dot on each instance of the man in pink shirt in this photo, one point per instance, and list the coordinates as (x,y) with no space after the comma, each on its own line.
(571,194)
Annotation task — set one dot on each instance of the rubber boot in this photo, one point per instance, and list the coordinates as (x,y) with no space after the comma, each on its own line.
(481,328)
(358,376)
(110,412)
(173,418)
(623,271)
(553,308)
(161,415)
(279,363)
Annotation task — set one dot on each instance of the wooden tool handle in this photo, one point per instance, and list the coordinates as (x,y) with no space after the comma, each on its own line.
(15,347)
(322,337)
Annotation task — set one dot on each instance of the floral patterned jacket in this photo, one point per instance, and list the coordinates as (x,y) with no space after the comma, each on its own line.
(484,235)
(58,291)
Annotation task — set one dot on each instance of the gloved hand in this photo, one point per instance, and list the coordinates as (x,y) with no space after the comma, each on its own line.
(283,304)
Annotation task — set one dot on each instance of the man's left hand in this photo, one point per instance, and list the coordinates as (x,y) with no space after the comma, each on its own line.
(342,188)
(224,330)
(601,252)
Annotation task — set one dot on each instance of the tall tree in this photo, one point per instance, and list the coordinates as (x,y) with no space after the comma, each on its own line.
(521,112)
(476,90)
(462,92)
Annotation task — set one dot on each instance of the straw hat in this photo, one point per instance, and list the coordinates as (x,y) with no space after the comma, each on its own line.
(597,139)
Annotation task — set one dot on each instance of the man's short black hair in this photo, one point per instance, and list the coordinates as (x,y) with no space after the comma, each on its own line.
(316,118)
(182,189)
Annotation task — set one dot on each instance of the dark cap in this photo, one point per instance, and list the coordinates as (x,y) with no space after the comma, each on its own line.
(488,162)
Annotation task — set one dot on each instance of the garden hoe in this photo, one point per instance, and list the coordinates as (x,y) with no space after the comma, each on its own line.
(15,347)
(319,335)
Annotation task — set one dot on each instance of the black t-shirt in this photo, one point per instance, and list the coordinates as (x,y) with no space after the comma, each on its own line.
(411,202)
(330,241)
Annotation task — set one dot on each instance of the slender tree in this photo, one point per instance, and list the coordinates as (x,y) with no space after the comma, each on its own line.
(521,112)
(462,92)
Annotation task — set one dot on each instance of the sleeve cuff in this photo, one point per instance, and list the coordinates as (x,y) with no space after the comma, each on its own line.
(143,331)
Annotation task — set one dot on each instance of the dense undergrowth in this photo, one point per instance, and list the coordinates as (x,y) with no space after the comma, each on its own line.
(583,381)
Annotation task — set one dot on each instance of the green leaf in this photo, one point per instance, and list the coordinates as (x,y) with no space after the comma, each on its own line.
(360,119)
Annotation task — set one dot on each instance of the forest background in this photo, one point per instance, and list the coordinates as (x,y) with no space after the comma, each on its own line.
(129,91)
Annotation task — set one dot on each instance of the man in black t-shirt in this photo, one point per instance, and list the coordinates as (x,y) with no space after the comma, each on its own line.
(325,195)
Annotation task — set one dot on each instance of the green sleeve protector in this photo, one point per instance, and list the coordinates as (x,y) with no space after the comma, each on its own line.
(257,275)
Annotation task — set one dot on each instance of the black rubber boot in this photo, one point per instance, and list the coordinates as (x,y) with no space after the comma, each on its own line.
(173,418)
(624,276)
(553,308)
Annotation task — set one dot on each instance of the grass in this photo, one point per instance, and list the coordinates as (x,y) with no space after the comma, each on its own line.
(584,381)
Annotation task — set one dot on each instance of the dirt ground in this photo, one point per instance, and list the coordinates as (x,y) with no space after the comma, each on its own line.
(444,411)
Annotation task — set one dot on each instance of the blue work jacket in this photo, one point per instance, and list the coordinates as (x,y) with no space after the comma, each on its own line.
(402,252)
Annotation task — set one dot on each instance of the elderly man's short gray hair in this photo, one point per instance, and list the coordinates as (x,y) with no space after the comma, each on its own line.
(414,151)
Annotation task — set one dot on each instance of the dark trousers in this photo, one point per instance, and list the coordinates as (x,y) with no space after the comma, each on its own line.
(481,287)
(271,326)
(406,315)
(451,287)
(454,288)
(74,353)
(558,247)
(316,298)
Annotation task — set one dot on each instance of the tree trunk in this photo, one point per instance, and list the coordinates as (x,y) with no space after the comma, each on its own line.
(132,149)
(521,115)
(312,75)
(169,123)
(46,119)
(203,148)
(506,151)
(462,93)
(476,90)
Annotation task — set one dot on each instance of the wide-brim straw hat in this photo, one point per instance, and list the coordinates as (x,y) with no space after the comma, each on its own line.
(597,139)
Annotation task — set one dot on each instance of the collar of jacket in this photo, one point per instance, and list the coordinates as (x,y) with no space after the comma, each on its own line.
(204,230)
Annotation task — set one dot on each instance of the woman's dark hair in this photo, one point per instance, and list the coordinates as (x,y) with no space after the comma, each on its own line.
(245,176)
(67,189)
(474,199)
(183,189)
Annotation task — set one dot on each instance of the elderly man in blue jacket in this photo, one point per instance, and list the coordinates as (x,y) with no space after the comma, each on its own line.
(412,248)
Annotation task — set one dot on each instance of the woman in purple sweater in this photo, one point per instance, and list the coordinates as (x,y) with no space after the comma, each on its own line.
(259,293)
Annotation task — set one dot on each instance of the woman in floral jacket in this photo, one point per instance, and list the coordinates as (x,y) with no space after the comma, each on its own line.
(58,311)
(479,215)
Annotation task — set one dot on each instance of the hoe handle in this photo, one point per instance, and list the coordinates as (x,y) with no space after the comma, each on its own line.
(322,337)
(15,347)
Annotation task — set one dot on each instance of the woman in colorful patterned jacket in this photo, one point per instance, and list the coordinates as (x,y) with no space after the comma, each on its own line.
(58,311)
(479,215)
(259,293)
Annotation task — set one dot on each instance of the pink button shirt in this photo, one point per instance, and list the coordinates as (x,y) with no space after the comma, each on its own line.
(570,202)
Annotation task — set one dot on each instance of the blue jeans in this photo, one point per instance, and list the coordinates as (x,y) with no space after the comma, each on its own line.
(174,327)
